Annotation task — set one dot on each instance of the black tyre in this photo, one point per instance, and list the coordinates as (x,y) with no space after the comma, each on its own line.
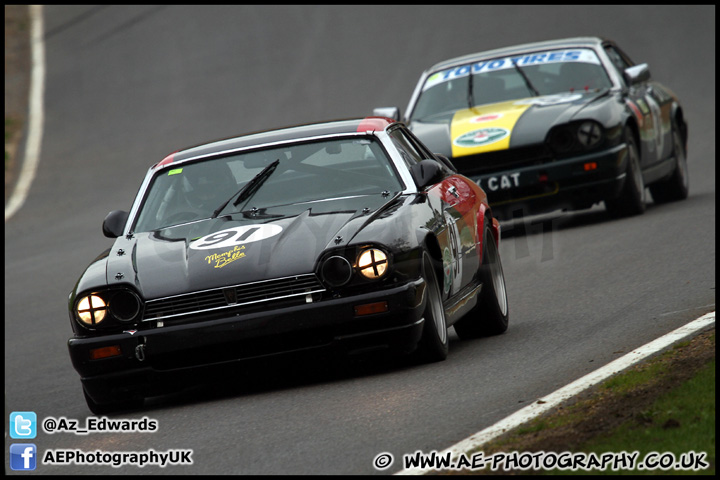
(491,315)
(433,345)
(678,185)
(105,408)
(631,200)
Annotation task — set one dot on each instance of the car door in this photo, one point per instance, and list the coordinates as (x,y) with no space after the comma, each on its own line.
(651,106)
(459,213)
(461,261)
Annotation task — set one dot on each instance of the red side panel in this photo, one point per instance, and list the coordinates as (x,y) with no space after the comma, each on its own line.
(470,203)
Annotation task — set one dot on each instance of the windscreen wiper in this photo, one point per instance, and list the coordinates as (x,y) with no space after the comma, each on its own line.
(249,188)
(527,80)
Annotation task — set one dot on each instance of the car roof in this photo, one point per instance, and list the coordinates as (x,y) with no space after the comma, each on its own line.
(517,49)
(287,134)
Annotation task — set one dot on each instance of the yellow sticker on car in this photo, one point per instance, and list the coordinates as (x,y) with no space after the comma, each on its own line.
(484,129)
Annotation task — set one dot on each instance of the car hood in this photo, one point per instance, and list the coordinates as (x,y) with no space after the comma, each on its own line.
(232,250)
(499,126)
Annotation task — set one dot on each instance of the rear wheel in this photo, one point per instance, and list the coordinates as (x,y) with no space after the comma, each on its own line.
(631,200)
(491,315)
(677,186)
(434,341)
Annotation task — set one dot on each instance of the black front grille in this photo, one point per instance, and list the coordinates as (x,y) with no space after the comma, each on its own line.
(500,160)
(231,296)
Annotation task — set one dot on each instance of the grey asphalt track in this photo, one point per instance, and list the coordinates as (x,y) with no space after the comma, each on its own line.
(126,86)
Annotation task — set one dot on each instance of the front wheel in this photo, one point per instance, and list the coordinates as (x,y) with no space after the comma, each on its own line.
(631,200)
(433,345)
(491,315)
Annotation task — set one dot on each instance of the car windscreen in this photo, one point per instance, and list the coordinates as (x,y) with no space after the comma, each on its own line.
(509,78)
(305,172)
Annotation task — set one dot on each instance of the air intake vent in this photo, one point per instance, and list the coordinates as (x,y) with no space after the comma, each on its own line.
(231,297)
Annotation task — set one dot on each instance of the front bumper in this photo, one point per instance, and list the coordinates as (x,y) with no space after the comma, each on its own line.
(571,183)
(154,359)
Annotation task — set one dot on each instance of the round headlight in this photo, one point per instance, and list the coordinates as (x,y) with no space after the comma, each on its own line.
(124,305)
(589,134)
(91,310)
(372,263)
(561,140)
(336,271)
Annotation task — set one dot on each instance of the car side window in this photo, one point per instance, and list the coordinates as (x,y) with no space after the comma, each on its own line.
(409,153)
(419,147)
(444,162)
(619,61)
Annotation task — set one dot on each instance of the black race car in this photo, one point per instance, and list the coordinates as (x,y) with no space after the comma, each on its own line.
(554,125)
(344,236)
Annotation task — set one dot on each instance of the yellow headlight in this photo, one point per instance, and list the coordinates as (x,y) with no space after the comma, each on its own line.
(372,263)
(91,310)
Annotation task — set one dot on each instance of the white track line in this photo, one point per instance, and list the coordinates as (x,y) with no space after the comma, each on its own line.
(556,398)
(36,114)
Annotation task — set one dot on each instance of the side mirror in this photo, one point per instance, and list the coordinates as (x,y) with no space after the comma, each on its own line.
(114,223)
(388,112)
(426,173)
(637,74)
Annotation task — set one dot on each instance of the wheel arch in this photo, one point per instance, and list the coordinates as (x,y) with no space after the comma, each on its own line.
(635,130)
(678,117)
(431,245)
(485,214)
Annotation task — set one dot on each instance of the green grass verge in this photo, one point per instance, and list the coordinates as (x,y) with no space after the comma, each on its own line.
(659,420)
(678,423)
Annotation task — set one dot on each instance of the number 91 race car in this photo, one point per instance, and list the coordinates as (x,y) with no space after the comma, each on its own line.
(561,124)
(344,237)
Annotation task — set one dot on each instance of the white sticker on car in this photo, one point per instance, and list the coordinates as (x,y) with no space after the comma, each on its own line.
(500,182)
(236,236)
(547,100)
(581,55)
(483,136)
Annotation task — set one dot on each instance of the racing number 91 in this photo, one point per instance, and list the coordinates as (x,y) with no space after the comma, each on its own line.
(236,236)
